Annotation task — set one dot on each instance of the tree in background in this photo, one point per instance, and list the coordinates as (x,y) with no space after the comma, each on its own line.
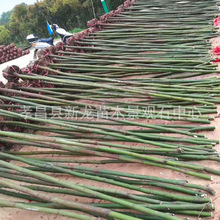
(5,17)
(4,35)
(69,14)
(18,22)
(38,14)
(65,13)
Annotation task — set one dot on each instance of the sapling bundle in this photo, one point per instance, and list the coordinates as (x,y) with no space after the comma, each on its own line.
(11,52)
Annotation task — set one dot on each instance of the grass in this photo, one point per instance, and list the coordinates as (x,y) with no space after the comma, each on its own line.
(75,30)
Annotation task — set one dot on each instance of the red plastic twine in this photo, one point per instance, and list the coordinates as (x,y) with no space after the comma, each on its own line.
(216,51)
(216,61)
(217,22)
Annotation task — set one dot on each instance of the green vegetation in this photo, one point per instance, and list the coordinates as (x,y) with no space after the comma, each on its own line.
(4,35)
(5,17)
(69,14)
(76,30)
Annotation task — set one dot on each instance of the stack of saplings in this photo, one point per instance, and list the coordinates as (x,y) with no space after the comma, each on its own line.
(11,52)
